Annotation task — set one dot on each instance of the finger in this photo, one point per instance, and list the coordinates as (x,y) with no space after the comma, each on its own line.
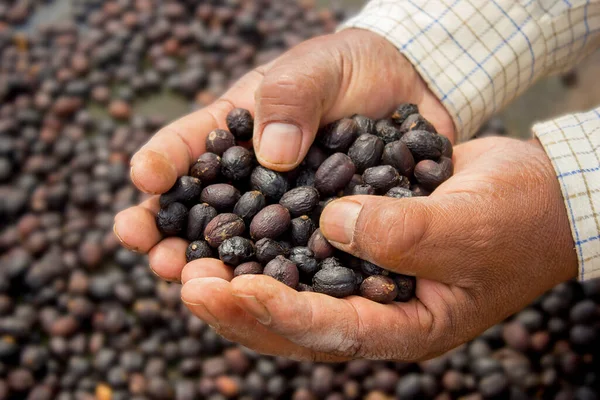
(135,227)
(167,258)
(354,327)
(156,166)
(211,300)
(206,268)
(420,236)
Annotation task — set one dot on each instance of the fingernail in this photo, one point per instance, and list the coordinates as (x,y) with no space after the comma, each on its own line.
(338,220)
(255,308)
(123,243)
(170,280)
(280,143)
(201,311)
(153,162)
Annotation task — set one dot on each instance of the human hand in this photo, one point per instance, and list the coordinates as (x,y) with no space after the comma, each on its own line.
(483,245)
(317,82)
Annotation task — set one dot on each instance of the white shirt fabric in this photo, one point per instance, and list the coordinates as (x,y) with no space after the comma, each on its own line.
(479,55)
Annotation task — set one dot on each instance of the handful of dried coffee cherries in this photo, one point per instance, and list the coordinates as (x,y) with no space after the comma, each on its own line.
(260,221)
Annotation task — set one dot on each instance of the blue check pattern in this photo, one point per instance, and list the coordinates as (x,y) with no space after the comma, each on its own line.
(479,55)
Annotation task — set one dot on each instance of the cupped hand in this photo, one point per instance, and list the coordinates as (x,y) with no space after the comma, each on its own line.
(482,246)
(317,82)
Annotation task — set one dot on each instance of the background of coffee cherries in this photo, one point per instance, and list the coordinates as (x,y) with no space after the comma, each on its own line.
(82,318)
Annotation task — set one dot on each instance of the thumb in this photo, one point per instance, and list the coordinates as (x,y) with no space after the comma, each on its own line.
(295,92)
(411,236)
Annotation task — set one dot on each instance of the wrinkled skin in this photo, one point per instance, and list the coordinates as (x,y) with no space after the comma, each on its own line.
(483,245)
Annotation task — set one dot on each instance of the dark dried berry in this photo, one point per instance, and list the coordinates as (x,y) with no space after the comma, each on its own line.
(423,145)
(267,249)
(355,181)
(371,269)
(416,122)
(283,270)
(366,126)
(430,174)
(172,219)
(447,149)
(330,262)
(250,267)
(301,230)
(236,163)
(306,177)
(185,191)
(406,286)
(199,216)
(334,174)
(236,250)
(198,249)
(207,168)
(320,246)
(221,196)
(300,200)
(403,111)
(387,131)
(382,178)
(305,260)
(339,136)
(223,227)
(419,191)
(270,183)
(240,123)
(366,152)
(336,281)
(270,222)
(249,205)
(303,287)
(399,193)
(379,288)
(404,182)
(314,158)
(363,189)
(218,141)
(398,155)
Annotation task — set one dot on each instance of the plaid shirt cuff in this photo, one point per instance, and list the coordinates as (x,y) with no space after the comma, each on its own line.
(478,55)
(573,144)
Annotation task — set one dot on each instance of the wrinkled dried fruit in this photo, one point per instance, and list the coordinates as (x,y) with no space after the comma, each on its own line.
(330,262)
(172,219)
(301,230)
(300,200)
(314,158)
(382,178)
(198,249)
(236,250)
(283,270)
(236,163)
(305,260)
(339,136)
(337,282)
(398,155)
(423,145)
(223,227)
(306,177)
(369,268)
(406,286)
(250,267)
(199,216)
(419,190)
(387,131)
(207,168)
(399,192)
(249,205)
(366,126)
(416,122)
(403,111)
(267,249)
(186,190)
(363,189)
(430,174)
(270,222)
(320,246)
(270,183)
(335,173)
(447,149)
(240,123)
(218,141)
(379,288)
(221,196)
(366,152)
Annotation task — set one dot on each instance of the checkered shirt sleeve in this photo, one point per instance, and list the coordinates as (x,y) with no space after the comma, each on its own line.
(478,55)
